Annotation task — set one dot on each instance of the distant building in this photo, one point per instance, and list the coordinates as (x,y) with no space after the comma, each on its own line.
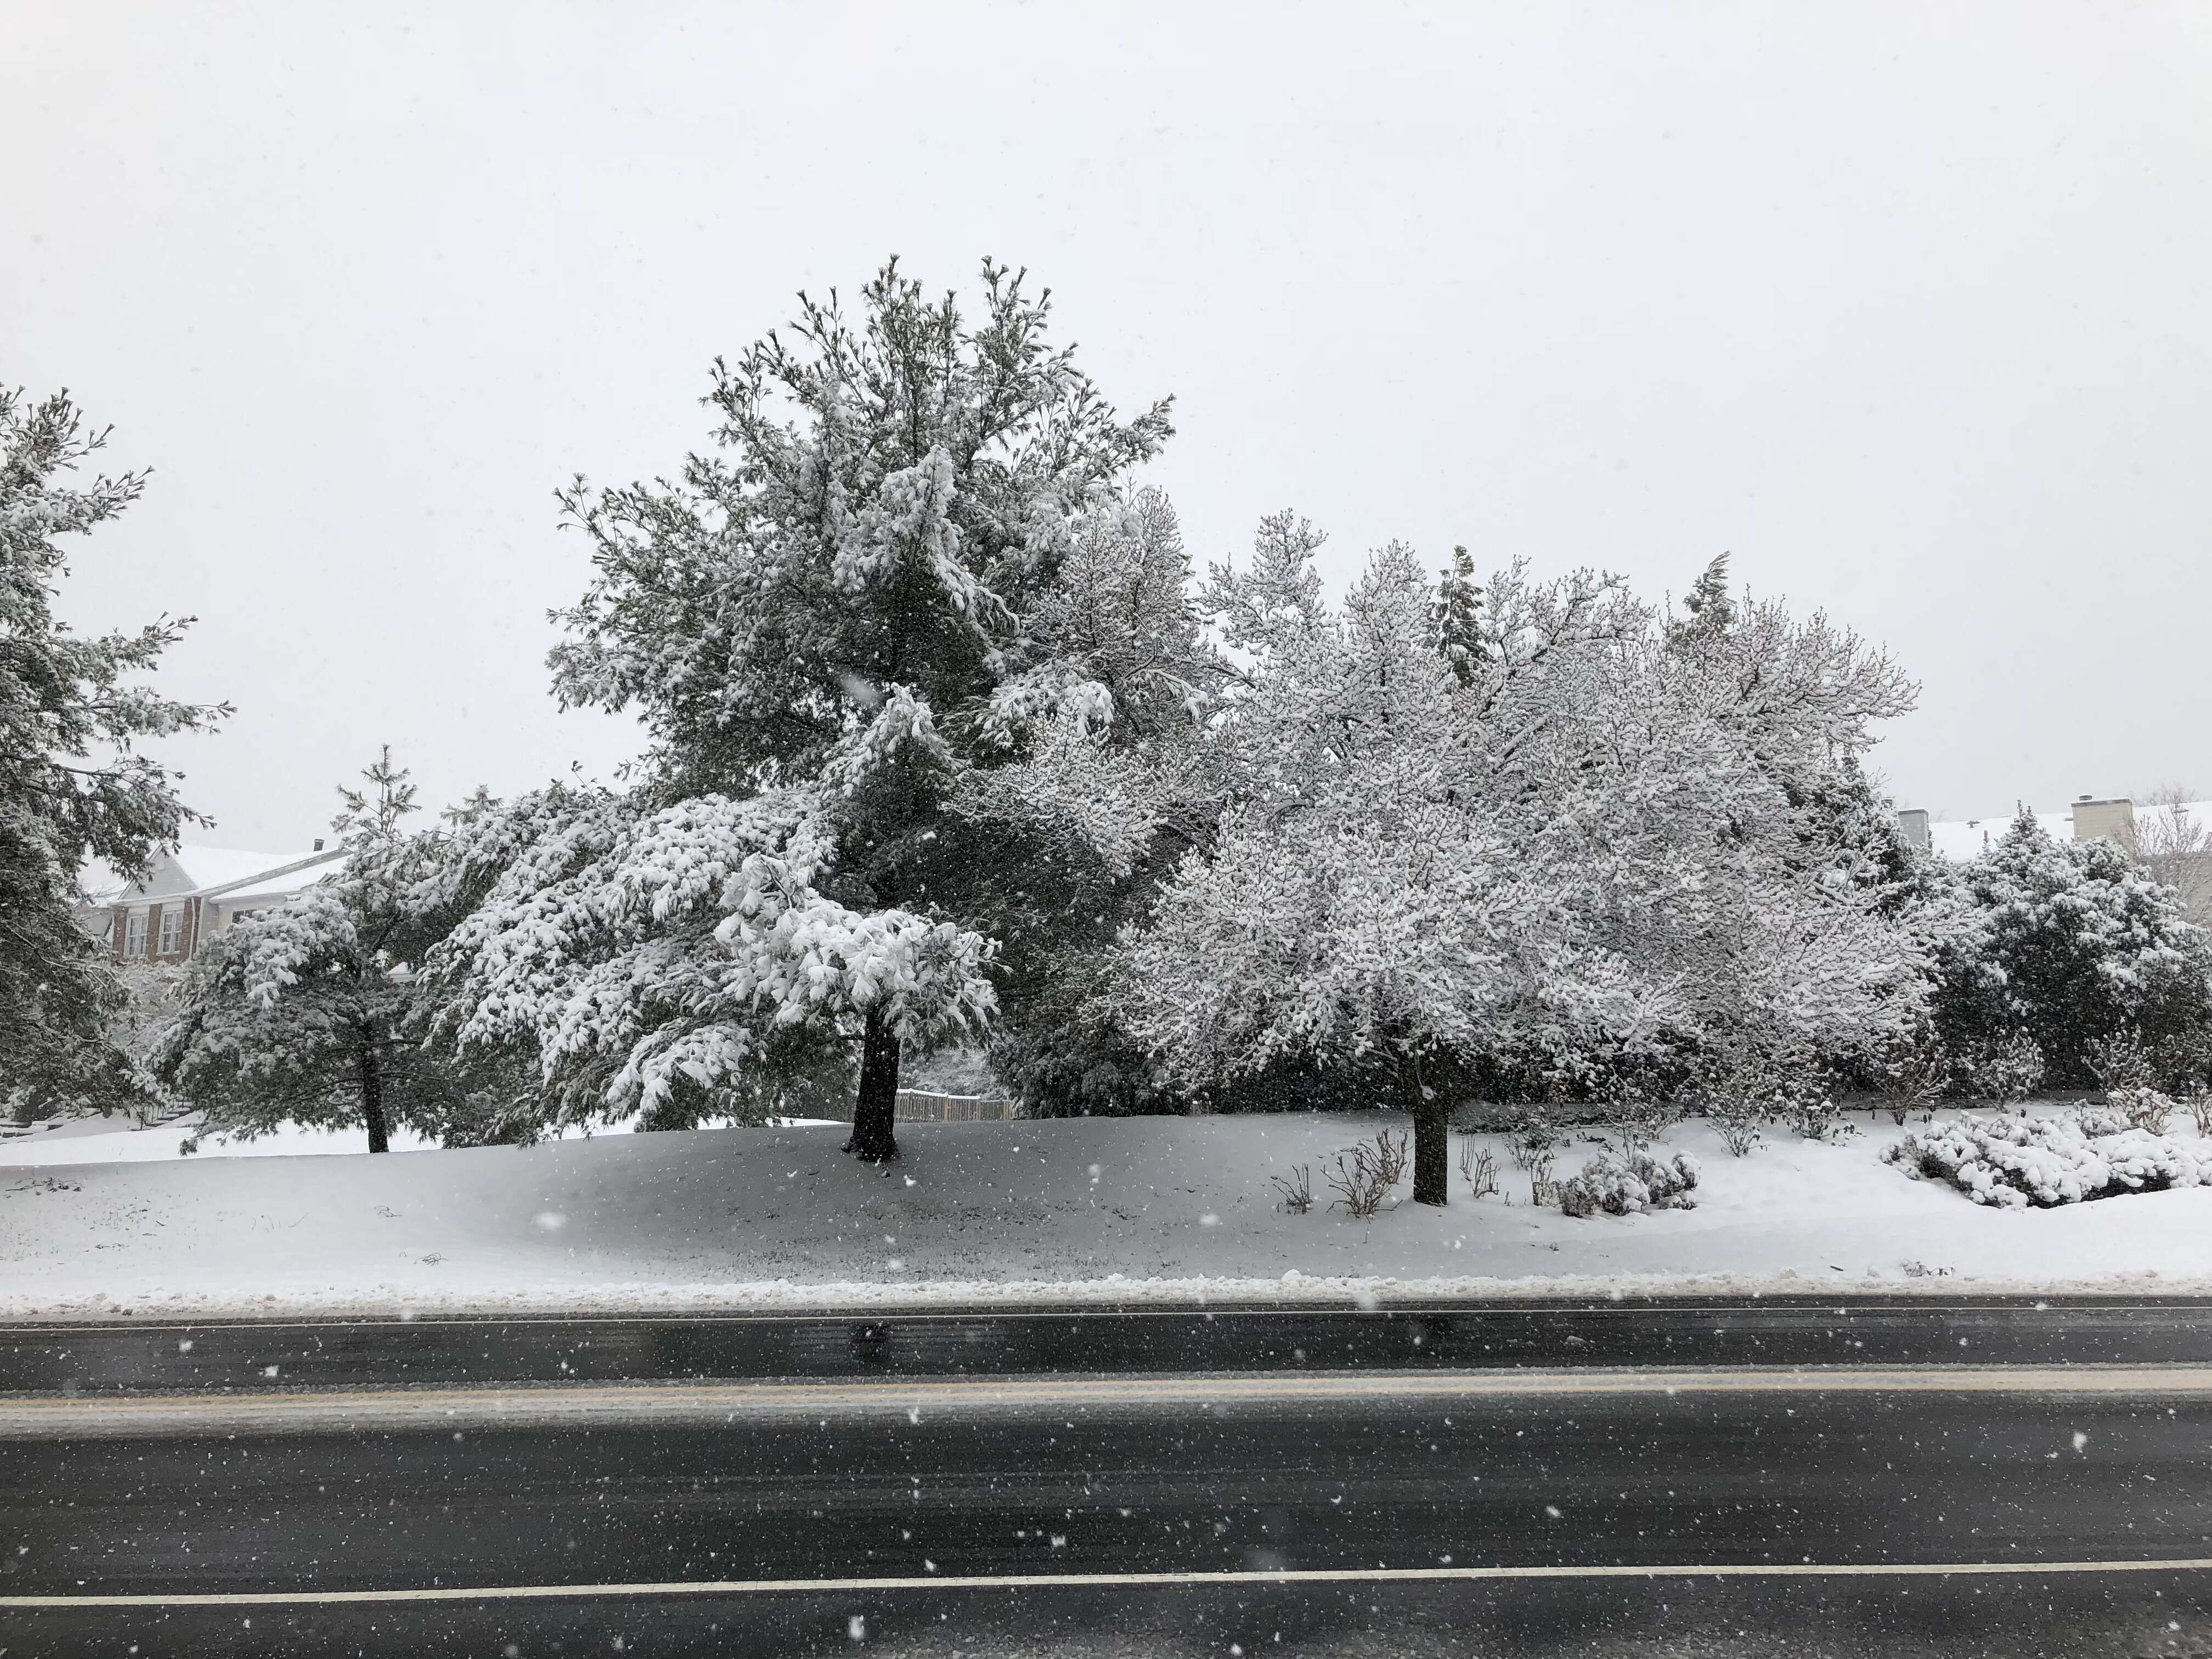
(195,893)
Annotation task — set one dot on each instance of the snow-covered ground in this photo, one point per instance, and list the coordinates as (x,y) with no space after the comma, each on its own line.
(1092,1209)
(118,1141)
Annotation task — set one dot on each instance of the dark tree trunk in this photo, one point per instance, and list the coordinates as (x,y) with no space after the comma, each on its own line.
(875,1105)
(372,1098)
(1432,1142)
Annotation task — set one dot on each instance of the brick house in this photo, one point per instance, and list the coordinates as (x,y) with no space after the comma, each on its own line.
(195,893)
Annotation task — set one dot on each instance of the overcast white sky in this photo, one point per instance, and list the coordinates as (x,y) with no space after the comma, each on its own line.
(1904,307)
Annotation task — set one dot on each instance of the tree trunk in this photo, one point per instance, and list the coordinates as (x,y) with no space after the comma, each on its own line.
(1432,1143)
(874,1106)
(372,1097)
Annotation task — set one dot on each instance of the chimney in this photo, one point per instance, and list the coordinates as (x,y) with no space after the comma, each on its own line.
(318,843)
(1912,825)
(2113,820)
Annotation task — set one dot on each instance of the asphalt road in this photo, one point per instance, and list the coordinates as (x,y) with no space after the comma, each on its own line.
(1607,1479)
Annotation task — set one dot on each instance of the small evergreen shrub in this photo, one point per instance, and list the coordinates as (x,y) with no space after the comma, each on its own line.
(1624,1186)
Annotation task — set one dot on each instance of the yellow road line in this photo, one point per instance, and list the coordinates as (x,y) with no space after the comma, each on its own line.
(1105,1581)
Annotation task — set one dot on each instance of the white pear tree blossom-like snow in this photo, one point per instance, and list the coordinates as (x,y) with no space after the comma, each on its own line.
(1525,819)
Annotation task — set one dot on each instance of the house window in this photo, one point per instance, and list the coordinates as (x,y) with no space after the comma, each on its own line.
(173,928)
(134,936)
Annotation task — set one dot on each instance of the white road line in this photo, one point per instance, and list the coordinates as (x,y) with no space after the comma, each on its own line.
(1105,1581)
(313,1411)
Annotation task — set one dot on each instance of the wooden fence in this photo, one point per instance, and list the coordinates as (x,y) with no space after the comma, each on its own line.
(923,1106)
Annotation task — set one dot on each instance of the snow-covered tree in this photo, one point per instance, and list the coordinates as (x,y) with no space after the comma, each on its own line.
(1102,785)
(828,625)
(299,1013)
(73,785)
(1524,824)
(2065,943)
(2172,843)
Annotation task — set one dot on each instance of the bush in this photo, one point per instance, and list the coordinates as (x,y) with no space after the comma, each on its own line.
(1296,1189)
(1364,1174)
(1913,1077)
(1535,1142)
(2006,1070)
(1640,1120)
(2120,1061)
(2142,1107)
(2011,1163)
(1478,1165)
(1740,1098)
(1624,1186)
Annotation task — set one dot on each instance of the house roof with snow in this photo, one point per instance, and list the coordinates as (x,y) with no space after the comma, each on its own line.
(207,872)
(1970,838)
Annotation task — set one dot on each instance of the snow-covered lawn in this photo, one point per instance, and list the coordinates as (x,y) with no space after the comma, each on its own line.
(1093,1209)
(118,1141)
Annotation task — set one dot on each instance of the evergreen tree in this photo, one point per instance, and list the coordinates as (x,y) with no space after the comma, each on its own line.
(830,625)
(73,785)
(2065,943)
(300,1013)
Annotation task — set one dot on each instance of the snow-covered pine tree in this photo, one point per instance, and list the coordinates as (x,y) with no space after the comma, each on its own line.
(300,1013)
(828,625)
(73,786)
(1102,786)
(2067,943)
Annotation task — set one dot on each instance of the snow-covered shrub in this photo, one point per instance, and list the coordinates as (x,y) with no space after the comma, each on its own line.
(1805,1101)
(1295,1188)
(1914,1074)
(2119,1059)
(2095,1119)
(1534,1143)
(1740,1096)
(2006,1069)
(2143,1106)
(1640,1120)
(2010,1162)
(1619,1185)
(2199,1102)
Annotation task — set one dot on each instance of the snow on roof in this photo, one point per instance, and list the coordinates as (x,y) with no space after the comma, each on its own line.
(1972,837)
(211,867)
(227,869)
(1975,837)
